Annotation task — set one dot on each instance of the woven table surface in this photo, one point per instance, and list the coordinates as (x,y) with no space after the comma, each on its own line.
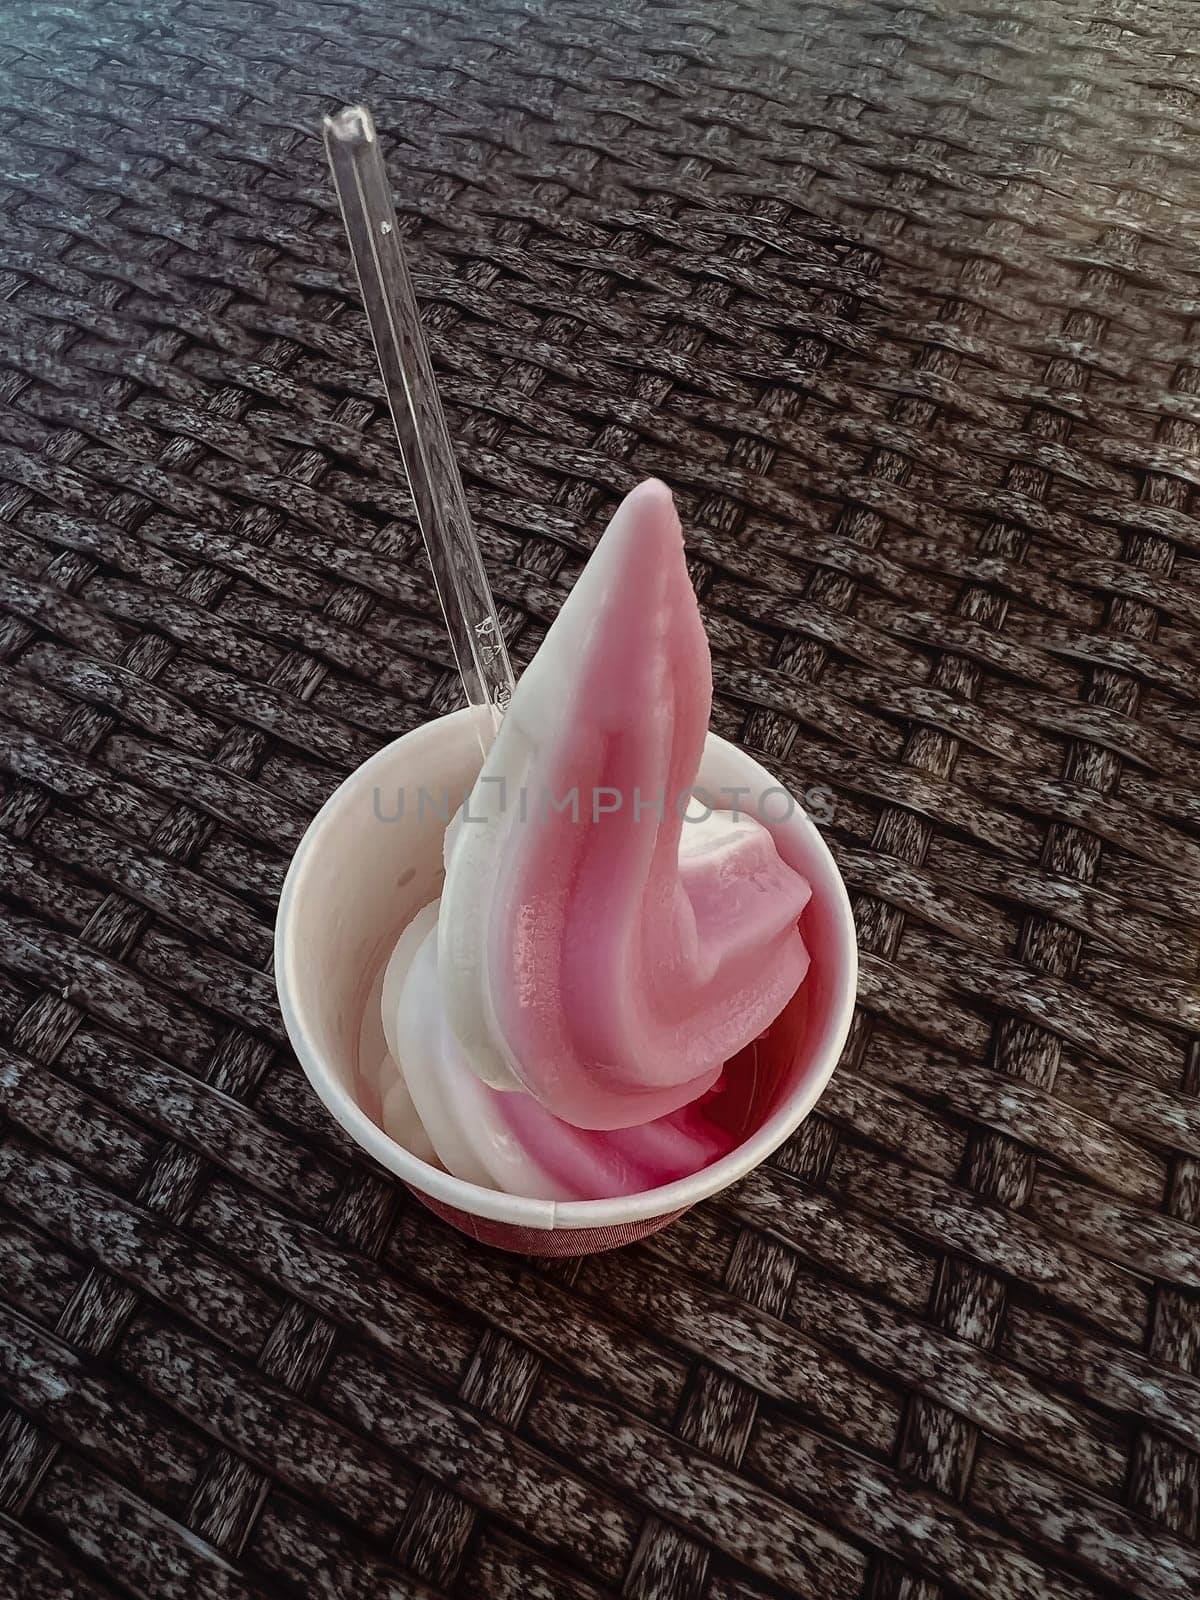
(900,299)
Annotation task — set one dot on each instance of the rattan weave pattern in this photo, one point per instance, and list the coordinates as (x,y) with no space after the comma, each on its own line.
(900,299)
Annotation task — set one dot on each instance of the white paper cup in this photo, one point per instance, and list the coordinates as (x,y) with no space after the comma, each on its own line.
(361,871)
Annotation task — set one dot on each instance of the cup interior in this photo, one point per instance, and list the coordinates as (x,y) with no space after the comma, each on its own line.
(372,858)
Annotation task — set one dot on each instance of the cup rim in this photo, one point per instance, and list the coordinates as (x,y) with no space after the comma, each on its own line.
(522,1210)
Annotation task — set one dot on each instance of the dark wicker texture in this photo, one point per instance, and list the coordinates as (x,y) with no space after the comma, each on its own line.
(900,298)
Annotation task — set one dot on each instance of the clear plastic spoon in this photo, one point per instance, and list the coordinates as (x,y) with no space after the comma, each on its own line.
(408,383)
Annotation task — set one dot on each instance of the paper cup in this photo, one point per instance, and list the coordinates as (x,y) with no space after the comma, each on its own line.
(372,857)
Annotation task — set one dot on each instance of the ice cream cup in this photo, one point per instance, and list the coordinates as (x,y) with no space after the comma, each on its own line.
(372,857)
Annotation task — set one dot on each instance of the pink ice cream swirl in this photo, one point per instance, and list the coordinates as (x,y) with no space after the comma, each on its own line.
(597,959)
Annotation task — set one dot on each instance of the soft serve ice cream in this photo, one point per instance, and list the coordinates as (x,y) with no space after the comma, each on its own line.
(558,1023)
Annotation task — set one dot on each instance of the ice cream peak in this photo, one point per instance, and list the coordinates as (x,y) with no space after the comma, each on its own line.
(594,950)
